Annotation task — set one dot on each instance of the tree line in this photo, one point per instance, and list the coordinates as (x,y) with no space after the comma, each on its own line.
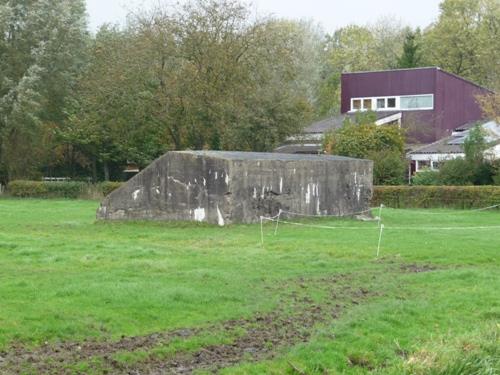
(206,74)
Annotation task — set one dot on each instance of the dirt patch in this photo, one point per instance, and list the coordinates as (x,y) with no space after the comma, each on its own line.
(416,268)
(50,356)
(261,337)
(393,262)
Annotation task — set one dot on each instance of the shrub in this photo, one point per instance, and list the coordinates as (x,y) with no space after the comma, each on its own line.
(69,189)
(42,189)
(25,189)
(108,187)
(456,172)
(359,141)
(426,177)
(496,173)
(436,196)
(389,168)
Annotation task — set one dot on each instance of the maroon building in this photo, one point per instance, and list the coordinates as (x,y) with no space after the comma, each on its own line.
(431,101)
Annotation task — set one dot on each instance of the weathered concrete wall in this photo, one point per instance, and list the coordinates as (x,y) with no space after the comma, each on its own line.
(239,187)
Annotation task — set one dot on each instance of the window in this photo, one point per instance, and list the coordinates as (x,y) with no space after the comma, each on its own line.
(417,102)
(393,103)
(356,104)
(422,164)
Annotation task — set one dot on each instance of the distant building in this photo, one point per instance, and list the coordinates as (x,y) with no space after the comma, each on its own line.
(432,102)
(431,156)
(310,141)
(429,102)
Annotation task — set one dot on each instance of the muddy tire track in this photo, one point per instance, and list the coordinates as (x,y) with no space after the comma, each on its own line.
(264,336)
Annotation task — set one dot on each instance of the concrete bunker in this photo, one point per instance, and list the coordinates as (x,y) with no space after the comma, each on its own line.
(222,187)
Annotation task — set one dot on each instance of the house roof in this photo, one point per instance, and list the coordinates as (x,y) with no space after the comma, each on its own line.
(336,122)
(300,149)
(454,143)
(326,124)
(437,68)
(442,146)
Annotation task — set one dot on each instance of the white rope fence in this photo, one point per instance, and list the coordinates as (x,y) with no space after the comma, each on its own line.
(380,227)
(453,212)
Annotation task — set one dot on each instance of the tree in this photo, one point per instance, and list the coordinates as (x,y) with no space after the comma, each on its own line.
(199,75)
(389,167)
(42,46)
(224,81)
(111,112)
(474,145)
(356,48)
(456,172)
(411,56)
(466,40)
(490,105)
(474,169)
(363,139)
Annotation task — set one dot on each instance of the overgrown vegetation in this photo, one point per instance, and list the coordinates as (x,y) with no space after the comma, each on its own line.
(205,74)
(475,169)
(66,189)
(92,298)
(462,197)
(361,138)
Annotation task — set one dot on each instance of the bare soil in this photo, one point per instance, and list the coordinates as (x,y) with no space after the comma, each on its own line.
(264,336)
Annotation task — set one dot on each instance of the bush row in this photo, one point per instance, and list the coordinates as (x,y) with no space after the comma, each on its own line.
(462,197)
(68,189)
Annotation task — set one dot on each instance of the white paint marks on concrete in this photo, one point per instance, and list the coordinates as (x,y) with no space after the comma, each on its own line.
(263,194)
(204,182)
(176,181)
(220,218)
(358,193)
(308,194)
(227,179)
(135,194)
(199,214)
(254,193)
(294,170)
(216,175)
(318,212)
(157,190)
(355,178)
(281,185)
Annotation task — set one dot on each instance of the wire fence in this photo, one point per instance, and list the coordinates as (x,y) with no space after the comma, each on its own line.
(380,227)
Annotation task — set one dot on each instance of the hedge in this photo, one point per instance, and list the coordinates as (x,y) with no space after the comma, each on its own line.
(462,197)
(109,186)
(68,189)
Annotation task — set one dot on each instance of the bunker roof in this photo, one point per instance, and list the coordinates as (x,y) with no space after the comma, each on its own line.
(240,155)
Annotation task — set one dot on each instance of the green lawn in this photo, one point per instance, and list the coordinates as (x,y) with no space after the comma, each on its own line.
(78,296)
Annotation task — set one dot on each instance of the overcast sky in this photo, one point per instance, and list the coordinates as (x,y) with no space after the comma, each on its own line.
(331,14)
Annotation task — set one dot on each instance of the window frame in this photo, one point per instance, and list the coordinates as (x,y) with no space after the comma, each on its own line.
(374,101)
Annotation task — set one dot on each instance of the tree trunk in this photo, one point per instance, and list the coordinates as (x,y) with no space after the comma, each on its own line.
(94,170)
(106,171)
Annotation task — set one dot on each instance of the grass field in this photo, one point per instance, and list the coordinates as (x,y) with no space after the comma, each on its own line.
(78,296)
